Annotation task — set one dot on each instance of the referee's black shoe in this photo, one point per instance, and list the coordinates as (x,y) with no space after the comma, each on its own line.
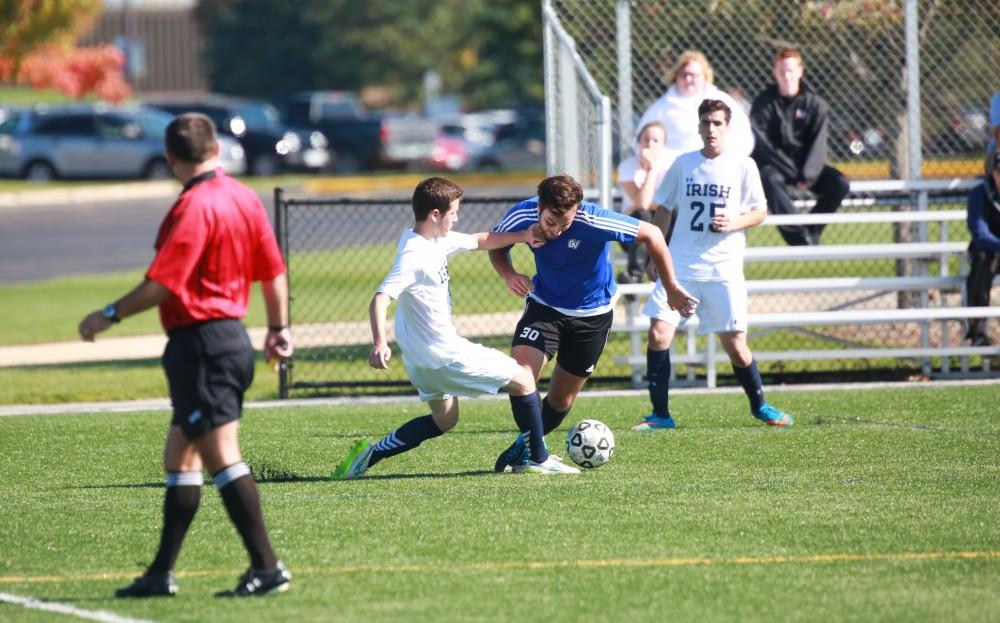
(261,582)
(150,585)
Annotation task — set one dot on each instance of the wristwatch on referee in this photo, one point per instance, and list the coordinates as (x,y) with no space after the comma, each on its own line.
(110,312)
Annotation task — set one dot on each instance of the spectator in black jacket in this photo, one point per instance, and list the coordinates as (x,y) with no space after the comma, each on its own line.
(983,216)
(790,124)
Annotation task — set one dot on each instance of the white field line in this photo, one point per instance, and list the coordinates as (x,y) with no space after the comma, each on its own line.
(163,404)
(51,606)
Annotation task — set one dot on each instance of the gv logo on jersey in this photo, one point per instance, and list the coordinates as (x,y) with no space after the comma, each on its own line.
(573,243)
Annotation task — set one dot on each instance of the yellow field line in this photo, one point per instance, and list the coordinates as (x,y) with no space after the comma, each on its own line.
(541,565)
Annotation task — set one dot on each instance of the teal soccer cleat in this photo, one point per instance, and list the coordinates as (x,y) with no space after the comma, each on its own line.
(655,422)
(773,416)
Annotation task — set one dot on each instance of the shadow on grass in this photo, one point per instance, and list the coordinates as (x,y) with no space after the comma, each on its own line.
(479,472)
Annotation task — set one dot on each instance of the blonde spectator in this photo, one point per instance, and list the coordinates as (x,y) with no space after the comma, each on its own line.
(691,81)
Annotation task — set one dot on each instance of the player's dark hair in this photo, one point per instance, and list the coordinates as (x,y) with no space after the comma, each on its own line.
(784,53)
(560,194)
(190,137)
(434,193)
(709,106)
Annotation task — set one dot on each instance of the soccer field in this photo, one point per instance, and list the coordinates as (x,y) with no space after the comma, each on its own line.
(879,505)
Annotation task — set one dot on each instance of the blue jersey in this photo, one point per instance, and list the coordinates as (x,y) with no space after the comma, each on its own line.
(573,273)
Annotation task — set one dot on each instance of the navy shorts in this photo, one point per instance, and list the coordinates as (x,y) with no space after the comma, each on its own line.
(209,366)
(579,341)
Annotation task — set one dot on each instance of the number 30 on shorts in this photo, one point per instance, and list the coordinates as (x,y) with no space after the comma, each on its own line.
(530,334)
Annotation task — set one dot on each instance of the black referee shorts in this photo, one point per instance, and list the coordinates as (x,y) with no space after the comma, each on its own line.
(579,341)
(209,366)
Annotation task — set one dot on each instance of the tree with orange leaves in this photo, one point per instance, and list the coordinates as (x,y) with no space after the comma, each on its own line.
(37,48)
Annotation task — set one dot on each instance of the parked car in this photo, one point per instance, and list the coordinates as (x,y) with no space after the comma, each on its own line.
(462,138)
(360,138)
(77,141)
(271,147)
(517,146)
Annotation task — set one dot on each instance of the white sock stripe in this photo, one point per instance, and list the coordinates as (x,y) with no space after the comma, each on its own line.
(389,442)
(185,479)
(231,473)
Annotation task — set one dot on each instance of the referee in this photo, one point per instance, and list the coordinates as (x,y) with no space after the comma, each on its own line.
(214,242)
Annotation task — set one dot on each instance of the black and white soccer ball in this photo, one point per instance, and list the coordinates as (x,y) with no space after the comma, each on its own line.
(590,443)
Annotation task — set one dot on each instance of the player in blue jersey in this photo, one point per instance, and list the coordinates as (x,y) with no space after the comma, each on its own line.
(570,300)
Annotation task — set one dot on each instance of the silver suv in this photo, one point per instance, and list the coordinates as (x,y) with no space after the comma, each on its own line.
(46,143)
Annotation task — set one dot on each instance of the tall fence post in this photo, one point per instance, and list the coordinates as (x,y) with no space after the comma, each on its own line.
(281,233)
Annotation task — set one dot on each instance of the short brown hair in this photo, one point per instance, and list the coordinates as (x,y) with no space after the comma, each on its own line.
(434,193)
(709,106)
(784,53)
(190,137)
(560,194)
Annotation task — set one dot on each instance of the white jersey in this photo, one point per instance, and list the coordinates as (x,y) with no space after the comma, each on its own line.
(699,187)
(630,171)
(679,115)
(418,279)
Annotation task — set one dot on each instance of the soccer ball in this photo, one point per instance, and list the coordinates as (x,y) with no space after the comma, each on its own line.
(590,443)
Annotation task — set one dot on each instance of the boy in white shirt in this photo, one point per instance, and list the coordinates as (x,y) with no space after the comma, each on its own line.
(441,364)
(639,175)
(717,196)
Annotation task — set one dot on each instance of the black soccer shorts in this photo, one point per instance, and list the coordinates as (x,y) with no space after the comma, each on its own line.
(579,341)
(209,366)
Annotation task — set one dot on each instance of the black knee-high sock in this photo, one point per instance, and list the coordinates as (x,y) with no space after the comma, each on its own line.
(528,415)
(180,503)
(658,375)
(242,502)
(551,419)
(406,437)
(749,378)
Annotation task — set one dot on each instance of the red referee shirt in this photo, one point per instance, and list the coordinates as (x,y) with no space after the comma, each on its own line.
(215,241)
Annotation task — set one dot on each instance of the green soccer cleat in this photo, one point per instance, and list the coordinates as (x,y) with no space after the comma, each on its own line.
(356,462)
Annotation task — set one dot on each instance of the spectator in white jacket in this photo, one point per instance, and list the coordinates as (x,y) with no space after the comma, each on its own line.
(690,82)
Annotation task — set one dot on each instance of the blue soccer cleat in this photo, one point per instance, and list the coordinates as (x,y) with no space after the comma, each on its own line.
(773,416)
(513,455)
(655,422)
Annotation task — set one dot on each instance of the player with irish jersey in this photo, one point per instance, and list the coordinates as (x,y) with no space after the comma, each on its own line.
(570,300)
(717,196)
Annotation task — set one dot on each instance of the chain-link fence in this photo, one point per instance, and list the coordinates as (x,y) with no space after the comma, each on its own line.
(856,57)
(338,251)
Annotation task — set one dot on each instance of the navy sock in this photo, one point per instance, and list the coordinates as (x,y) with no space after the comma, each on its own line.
(242,501)
(551,419)
(528,415)
(406,437)
(658,375)
(180,503)
(749,378)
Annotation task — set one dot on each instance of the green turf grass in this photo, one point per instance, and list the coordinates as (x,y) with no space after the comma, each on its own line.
(878,505)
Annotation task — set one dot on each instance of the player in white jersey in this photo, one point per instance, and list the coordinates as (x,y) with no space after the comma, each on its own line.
(442,365)
(717,196)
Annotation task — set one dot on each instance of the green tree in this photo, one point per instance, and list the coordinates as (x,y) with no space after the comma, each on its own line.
(487,52)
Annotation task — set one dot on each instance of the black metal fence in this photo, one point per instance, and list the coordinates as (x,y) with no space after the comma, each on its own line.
(339,250)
